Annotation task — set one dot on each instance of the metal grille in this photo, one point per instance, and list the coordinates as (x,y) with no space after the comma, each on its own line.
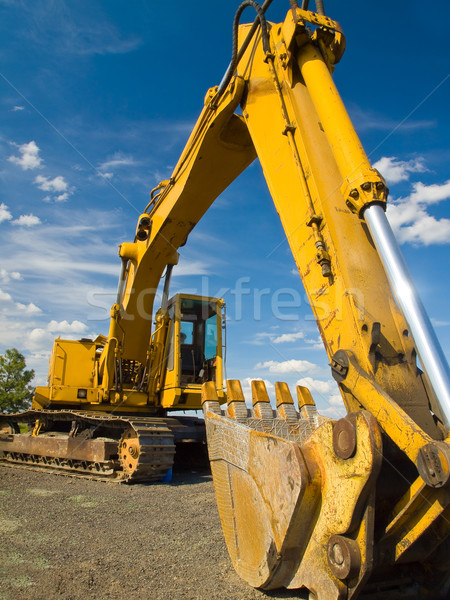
(229,440)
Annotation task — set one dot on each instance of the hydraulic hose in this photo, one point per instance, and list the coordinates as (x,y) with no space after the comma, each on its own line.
(320,10)
(237,55)
(260,20)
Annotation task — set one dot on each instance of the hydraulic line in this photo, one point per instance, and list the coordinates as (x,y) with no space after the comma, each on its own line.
(165,295)
(237,55)
(320,8)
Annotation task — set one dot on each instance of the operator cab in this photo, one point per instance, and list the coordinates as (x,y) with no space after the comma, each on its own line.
(196,339)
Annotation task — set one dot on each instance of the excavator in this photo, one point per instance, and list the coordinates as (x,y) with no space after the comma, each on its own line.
(338,509)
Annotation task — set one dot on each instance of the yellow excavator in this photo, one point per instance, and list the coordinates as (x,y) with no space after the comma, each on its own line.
(357,507)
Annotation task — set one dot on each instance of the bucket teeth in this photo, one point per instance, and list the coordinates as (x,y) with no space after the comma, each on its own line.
(210,400)
(236,407)
(285,404)
(306,404)
(261,403)
(285,422)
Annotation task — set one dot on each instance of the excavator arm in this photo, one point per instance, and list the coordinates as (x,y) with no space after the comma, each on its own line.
(218,150)
(306,502)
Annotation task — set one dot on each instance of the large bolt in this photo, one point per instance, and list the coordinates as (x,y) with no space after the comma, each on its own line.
(144,222)
(344,557)
(337,555)
(133,451)
(142,235)
(344,438)
(433,464)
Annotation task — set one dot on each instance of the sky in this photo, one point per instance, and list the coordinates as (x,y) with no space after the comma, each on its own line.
(97,99)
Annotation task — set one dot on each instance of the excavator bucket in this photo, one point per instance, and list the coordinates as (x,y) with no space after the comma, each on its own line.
(295,490)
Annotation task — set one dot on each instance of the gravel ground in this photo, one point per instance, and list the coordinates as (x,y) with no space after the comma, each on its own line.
(62,537)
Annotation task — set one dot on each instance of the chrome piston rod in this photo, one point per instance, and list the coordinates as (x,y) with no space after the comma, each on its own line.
(427,345)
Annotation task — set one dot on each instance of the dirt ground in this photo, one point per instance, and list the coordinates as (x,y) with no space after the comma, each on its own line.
(68,538)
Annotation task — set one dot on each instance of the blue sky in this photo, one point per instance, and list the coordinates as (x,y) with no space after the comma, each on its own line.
(97,100)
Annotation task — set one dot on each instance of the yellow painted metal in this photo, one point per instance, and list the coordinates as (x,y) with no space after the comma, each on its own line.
(321,180)
(422,514)
(301,500)
(218,149)
(72,367)
(293,147)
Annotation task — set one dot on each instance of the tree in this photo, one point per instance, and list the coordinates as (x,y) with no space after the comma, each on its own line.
(15,389)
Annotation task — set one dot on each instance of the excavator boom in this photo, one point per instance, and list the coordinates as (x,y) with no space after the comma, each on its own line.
(335,508)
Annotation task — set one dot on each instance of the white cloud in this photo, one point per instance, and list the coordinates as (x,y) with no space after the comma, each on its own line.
(315,344)
(16,108)
(66,327)
(29,309)
(27,221)
(66,288)
(288,366)
(11,308)
(324,388)
(430,194)
(5,276)
(39,339)
(261,338)
(394,170)
(29,156)
(5,215)
(288,337)
(411,221)
(5,297)
(118,160)
(192,267)
(58,184)
(264,337)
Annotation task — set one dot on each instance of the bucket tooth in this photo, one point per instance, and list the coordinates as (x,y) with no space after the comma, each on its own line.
(261,403)
(210,400)
(285,404)
(306,404)
(236,407)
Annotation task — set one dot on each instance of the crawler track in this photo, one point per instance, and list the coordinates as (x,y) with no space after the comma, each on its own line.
(88,445)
